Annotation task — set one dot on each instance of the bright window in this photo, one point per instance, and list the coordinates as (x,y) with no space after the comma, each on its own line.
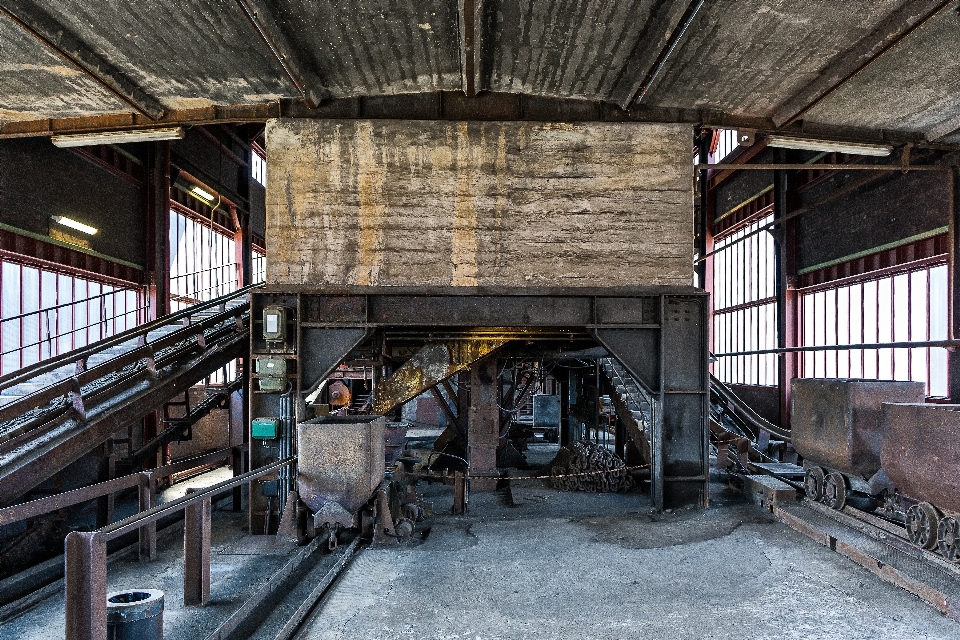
(744,305)
(259,267)
(202,262)
(45,314)
(905,307)
(258,166)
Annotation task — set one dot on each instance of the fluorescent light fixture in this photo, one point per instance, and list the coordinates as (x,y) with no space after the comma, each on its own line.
(117,137)
(208,198)
(812,144)
(200,193)
(73,224)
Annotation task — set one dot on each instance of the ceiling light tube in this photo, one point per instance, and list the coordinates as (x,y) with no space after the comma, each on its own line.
(117,137)
(830,146)
(74,224)
(202,193)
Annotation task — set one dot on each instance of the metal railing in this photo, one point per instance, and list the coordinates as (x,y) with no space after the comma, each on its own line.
(202,285)
(86,557)
(50,316)
(82,353)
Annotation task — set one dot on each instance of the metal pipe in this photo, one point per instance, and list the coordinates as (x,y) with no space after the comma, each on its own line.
(945,344)
(665,55)
(832,166)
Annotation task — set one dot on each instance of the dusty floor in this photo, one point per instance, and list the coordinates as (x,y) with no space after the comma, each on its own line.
(546,564)
(533,562)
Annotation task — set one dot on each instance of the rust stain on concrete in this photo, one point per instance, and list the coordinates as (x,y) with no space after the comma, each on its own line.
(370,178)
(421,203)
(464,249)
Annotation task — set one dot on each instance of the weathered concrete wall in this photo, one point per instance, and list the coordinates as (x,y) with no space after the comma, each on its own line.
(405,203)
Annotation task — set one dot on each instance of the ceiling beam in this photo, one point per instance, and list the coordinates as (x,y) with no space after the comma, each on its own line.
(945,128)
(62,42)
(307,81)
(659,38)
(910,17)
(466,16)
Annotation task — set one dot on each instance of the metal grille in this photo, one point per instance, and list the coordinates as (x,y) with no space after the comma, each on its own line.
(745,309)
(909,306)
(44,313)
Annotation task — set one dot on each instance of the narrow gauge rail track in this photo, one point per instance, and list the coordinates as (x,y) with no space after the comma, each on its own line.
(881,545)
(295,593)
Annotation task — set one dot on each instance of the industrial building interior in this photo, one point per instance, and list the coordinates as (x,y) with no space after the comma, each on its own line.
(479,319)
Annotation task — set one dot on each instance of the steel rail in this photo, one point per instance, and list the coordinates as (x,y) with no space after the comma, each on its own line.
(138,520)
(945,344)
(154,351)
(746,413)
(53,416)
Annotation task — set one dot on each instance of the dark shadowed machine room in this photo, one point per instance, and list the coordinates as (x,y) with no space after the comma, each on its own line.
(479,320)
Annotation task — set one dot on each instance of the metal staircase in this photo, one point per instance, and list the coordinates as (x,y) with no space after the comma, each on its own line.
(732,422)
(60,409)
(633,404)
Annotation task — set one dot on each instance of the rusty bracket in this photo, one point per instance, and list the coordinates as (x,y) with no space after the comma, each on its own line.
(433,363)
(76,400)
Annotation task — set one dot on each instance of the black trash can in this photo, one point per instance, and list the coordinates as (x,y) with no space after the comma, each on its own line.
(135,614)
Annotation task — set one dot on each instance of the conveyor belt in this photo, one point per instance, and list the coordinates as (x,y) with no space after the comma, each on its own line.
(45,431)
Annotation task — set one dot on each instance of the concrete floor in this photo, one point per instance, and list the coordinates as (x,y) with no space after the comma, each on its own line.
(547,564)
(533,562)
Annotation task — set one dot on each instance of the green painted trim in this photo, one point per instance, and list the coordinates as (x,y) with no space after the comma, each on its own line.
(744,203)
(67,245)
(883,247)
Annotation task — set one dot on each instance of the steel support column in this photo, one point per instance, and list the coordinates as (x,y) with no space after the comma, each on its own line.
(85,585)
(148,532)
(703,144)
(954,354)
(785,274)
(196,553)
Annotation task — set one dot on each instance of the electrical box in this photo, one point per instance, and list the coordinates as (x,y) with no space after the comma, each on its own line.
(274,324)
(271,373)
(265,428)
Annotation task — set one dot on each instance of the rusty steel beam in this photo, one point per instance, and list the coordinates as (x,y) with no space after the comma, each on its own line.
(651,42)
(85,585)
(678,32)
(466,14)
(196,552)
(39,24)
(447,411)
(849,64)
(434,362)
(307,81)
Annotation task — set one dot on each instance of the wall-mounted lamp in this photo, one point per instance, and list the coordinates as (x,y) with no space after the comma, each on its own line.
(74,224)
(205,196)
(117,137)
(830,146)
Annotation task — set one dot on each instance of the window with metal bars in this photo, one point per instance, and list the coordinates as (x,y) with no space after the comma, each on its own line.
(202,261)
(744,304)
(44,313)
(724,142)
(904,307)
(259,266)
(258,165)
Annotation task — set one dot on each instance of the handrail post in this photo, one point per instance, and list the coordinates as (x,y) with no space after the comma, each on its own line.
(236,462)
(196,553)
(148,532)
(85,585)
